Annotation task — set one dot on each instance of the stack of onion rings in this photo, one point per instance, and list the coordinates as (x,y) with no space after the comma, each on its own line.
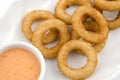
(112,24)
(111,6)
(78,26)
(93,33)
(90,26)
(40,31)
(34,16)
(63,4)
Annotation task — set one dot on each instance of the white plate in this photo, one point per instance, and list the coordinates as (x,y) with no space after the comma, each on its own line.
(10,30)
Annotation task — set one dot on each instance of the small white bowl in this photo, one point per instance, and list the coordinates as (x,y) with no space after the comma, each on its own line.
(29,47)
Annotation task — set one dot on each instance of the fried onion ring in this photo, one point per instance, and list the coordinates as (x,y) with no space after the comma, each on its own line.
(78,27)
(113,24)
(79,73)
(90,26)
(110,5)
(34,16)
(63,4)
(40,31)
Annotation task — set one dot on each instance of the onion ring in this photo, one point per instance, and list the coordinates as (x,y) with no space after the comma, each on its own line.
(78,27)
(42,28)
(86,70)
(90,26)
(110,5)
(34,16)
(113,24)
(63,4)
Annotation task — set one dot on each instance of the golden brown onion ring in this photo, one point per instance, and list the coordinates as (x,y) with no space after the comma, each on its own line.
(40,31)
(110,5)
(77,73)
(90,26)
(78,27)
(63,4)
(34,16)
(113,24)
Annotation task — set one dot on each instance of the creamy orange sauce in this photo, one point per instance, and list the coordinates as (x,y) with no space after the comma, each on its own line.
(19,64)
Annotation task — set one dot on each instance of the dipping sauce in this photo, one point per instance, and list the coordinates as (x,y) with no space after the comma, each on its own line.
(19,64)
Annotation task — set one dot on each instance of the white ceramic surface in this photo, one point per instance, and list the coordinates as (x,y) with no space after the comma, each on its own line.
(29,47)
(10,30)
